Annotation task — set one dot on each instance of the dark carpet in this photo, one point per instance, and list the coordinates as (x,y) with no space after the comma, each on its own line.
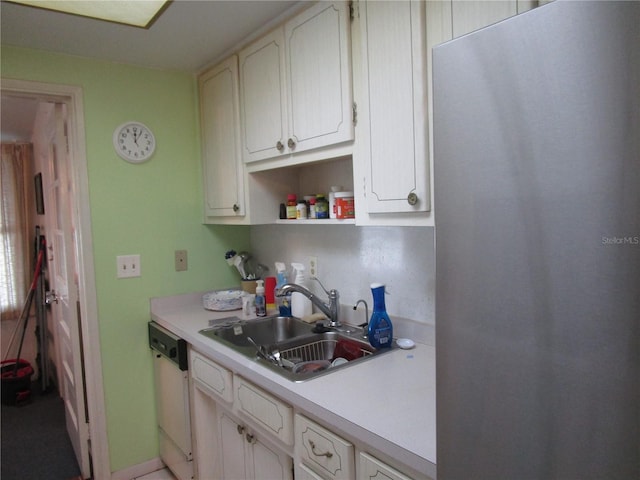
(35,444)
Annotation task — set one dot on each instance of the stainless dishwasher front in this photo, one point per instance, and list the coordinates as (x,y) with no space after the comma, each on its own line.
(172,400)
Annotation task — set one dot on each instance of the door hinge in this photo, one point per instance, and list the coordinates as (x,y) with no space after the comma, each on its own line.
(353,10)
(354,109)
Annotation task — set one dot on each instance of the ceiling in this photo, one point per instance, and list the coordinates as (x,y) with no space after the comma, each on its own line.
(189,35)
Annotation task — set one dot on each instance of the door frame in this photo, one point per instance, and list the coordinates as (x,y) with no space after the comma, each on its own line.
(92,358)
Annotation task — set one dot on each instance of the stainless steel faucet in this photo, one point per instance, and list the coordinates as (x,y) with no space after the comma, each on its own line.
(365,325)
(331,309)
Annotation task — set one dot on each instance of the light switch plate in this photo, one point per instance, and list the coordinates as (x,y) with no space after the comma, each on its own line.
(128,266)
(181,260)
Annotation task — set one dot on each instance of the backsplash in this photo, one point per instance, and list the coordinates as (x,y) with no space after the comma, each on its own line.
(350,258)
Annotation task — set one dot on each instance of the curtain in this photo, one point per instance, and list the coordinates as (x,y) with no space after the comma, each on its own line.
(16,197)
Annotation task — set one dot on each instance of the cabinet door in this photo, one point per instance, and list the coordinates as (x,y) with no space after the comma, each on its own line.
(263,98)
(319,77)
(245,456)
(222,169)
(394,156)
(470,15)
(269,462)
(232,448)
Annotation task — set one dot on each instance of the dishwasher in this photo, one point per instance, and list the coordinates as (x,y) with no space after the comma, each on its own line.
(170,367)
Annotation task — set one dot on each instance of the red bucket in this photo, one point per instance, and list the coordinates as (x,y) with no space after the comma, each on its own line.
(16,384)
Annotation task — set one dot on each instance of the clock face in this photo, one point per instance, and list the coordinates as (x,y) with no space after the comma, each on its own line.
(134,142)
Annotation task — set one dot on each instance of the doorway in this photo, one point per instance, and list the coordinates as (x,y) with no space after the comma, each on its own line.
(76,309)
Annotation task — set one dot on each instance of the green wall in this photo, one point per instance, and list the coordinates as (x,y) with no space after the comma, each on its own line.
(151,209)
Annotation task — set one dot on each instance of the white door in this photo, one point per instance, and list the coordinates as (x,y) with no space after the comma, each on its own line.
(232,444)
(263,98)
(64,288)
(223,174)
(394,157)
(318,58)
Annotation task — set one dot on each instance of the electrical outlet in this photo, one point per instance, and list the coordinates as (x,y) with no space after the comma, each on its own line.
(128,266)
(312,266)
(181,260)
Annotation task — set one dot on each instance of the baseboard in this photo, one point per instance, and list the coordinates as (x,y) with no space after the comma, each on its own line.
(138,470)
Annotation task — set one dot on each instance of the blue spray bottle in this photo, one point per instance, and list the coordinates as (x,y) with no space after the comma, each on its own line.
(380,327)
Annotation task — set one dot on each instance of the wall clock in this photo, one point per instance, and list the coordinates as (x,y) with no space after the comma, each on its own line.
(134,142)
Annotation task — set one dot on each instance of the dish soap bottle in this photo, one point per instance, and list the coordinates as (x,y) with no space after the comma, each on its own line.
(283,303)
(300,305)
(380,328)
(261,301)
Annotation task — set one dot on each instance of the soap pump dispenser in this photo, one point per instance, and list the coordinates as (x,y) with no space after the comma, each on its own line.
(380,331)
(261,301)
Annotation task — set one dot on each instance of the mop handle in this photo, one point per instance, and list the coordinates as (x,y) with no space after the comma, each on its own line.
(27,307)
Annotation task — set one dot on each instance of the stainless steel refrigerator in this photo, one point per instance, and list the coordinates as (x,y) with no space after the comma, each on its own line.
(537,214)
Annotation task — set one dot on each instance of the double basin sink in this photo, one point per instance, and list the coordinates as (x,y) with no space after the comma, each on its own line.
(295,349)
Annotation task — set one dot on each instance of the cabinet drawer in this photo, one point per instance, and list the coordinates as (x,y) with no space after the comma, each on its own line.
(211,377)
(326,453)
(371,467)
(269,412)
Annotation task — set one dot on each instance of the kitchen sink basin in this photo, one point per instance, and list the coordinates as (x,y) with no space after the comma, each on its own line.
(290,347)
(264,331)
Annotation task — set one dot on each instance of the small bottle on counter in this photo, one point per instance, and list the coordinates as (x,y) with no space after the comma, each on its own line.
(261,301)
(322,206)
(291,206)
(301,210)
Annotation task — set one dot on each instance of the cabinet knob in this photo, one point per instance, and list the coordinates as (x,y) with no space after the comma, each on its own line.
(313,450)
(250,438)
(412,198)
(280,145)
(236,207)
(240,429)
(291,143)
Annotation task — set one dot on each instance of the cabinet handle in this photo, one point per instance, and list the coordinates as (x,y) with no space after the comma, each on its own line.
(313,450)
(250,438)
(236,207)
(280,145)
(412,198)
(240,429)
(291,143)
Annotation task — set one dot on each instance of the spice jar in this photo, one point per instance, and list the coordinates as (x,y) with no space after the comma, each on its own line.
(322,206)
(291,206)
(312,208)
(301,210)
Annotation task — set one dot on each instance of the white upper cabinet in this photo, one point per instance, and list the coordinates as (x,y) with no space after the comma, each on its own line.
(465,16)
(264,97)
(219,118)
(392,154)
(295,85)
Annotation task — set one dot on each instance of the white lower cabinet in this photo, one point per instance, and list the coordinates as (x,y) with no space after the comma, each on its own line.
(245,454)
(240,431)
(321,452)
(243,432)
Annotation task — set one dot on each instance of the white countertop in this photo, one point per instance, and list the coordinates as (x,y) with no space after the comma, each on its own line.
(388,402)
